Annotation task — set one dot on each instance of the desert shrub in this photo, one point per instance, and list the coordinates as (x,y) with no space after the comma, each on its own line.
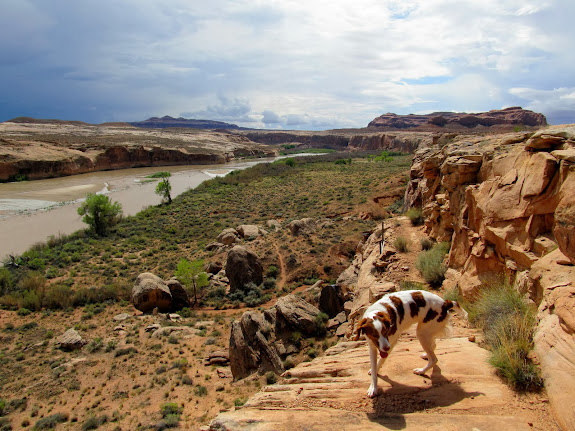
(415,216)
(23,311)
(288,363)
(271,378)
(201,391)
(95,345)
(430,264)
(58,296)
(508,322)
(94,422)
(238,402)
(396,207)
(50,422)
(401,244)
(125,351)
(272,271)
(170,409)
(426,244)
(2,406)
(320,321)
(411,285)
(6,281)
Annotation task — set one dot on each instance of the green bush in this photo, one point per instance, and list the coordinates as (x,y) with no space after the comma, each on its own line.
(426,244)
(401,244)
(415,215)
(51,421)
(508,321)
(271,378)
(170,409)
(94,422)
(430,264)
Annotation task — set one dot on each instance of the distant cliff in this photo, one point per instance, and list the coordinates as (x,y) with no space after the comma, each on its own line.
(38,150)
(504,119)
(167,121)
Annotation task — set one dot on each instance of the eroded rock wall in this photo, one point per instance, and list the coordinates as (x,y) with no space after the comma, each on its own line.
(506,203)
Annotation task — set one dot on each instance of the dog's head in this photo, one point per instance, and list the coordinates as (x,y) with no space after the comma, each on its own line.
(377,329)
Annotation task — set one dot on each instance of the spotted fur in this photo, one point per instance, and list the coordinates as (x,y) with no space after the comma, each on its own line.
(385,320)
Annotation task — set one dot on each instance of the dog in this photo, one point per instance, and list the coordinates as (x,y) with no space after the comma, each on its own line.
(385,320)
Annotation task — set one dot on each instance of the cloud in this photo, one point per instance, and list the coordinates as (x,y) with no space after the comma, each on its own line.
(288,64)
(558,103)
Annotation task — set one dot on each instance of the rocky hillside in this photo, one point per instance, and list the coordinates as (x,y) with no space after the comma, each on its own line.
(507,205)
(505,119)
(37,150)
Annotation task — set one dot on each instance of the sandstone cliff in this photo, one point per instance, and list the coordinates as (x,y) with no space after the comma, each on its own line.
(506,203)
(42,150)
(504,119)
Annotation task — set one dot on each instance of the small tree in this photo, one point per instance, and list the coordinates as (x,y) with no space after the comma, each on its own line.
(164,188)
(100,213)
(192,274)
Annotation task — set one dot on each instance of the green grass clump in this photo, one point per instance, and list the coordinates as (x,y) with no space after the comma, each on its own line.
(508,322)
(401,244)
(415,216)
(430,264)
(412,285)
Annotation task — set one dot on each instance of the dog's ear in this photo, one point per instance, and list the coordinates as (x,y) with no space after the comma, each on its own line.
(385,320)
(363,323)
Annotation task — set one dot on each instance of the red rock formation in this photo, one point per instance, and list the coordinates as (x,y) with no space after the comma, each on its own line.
(514,116)
(506,204)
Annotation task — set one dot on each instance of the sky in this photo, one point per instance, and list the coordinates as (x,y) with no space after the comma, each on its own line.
(284,64)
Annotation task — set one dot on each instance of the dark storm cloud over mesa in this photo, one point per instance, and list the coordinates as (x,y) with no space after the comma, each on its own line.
(284,63)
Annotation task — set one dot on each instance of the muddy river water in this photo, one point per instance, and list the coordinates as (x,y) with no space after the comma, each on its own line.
(31,211)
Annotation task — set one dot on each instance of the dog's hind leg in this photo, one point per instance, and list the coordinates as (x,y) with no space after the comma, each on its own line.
(427,340)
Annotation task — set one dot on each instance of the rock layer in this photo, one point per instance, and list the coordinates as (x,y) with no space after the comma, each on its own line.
(506,204)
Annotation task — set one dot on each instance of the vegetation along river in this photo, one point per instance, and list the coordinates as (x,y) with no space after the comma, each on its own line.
(31,211)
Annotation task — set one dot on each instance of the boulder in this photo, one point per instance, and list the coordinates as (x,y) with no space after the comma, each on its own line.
(250,351)
(121,317)
(228,236)
(149,292)
(214,267)
(180,297)
(304,226)
(70,340)
(243,267)
(220,357)
(248,231)
(295,313)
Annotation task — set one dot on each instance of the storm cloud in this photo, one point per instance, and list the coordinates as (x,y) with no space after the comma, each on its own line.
(284,64)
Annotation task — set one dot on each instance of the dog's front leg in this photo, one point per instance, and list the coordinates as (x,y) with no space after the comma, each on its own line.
(373,355)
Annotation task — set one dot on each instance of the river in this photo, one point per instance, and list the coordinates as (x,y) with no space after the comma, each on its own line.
(31,211)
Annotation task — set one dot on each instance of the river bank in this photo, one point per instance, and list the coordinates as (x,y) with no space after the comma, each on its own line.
(30,212)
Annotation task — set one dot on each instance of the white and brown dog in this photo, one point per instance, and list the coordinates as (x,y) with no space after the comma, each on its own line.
(385,320)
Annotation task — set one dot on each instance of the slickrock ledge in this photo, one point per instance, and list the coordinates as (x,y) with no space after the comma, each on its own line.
(330,394)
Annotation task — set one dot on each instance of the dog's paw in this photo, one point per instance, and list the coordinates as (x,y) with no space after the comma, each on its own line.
(419,371)
(372,391)
(423,356)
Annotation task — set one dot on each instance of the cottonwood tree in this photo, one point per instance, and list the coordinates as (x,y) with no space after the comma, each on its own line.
(164,188)
(192,274)
(100,213)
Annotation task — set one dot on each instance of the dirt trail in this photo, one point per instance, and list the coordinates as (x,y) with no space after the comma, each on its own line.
(462,392)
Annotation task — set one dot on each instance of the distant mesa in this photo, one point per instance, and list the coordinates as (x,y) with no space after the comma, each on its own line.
(504,118)
(167,121)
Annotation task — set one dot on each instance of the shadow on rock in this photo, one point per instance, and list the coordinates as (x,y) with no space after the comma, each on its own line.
(402,399)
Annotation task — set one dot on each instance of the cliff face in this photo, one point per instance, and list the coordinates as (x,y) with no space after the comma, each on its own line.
(509,117)
(507,205)
(345,141)
(44,150)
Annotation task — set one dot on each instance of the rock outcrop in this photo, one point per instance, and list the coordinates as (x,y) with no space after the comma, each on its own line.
(243,267)
(514,116)
(70,340)
(37,149)
(506,204)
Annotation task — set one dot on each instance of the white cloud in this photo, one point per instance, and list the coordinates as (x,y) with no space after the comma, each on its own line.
(312,64)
